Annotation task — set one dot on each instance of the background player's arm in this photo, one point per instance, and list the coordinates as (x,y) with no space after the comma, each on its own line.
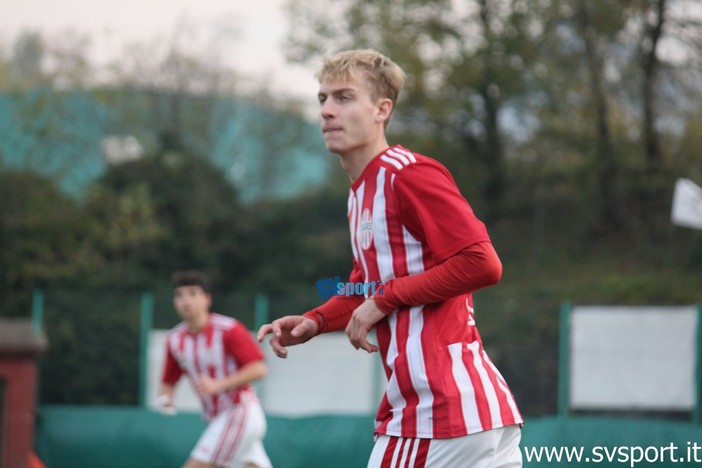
(171,374)
(165,395)
(249,373)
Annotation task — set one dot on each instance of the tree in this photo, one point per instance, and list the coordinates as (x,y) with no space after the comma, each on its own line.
(168,211)
(44,239)
(465,64)
(656,18)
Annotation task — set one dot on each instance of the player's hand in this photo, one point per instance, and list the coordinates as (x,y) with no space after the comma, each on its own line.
(288,331)
(206,385)
(362,321)
(165,404)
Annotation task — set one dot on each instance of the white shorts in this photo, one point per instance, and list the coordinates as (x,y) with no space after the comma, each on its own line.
(234,438)
(497,448)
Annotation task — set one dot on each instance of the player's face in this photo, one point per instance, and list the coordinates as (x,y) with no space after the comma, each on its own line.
(348,116)
(191,302)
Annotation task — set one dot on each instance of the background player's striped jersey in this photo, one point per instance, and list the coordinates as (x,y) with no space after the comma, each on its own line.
(405,216)
(219,350)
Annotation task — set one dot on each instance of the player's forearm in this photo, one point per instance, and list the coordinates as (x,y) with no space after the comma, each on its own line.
(471,269)
(250,373)
(167,389)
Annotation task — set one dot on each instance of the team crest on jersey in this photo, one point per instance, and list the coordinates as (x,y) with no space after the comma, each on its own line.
(366,229)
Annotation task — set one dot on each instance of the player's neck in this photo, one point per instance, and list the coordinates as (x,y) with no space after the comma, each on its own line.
(354,162)
(198,322)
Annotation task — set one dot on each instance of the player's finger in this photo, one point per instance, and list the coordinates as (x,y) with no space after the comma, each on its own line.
(369,347)
(276,327)
(278,348)
(263,331)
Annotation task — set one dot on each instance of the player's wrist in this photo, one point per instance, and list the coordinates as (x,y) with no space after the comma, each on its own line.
(317,319)
(385,299)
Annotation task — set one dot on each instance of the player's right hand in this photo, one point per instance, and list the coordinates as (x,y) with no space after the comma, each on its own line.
(287,331)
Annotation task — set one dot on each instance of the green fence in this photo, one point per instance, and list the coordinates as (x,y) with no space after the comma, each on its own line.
(130,437)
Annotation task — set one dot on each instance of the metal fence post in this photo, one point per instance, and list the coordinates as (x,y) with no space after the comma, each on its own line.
(146,318)
(564,360)
(697,409)
(260,311)
(37,311)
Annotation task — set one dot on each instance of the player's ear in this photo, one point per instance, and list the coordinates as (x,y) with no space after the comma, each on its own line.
(384,109)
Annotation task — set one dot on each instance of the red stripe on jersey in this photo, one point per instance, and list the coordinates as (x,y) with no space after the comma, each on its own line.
(438,384)
(402,373)
(396,238)
(365,241)
(481,400)
(504,395)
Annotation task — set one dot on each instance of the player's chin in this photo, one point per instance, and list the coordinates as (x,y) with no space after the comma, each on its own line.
(333,145)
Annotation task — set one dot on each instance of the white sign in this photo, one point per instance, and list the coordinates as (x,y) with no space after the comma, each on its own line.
(633,358)
(687,204)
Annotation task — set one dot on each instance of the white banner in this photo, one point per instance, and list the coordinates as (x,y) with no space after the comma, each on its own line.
(687,204)
(633,358)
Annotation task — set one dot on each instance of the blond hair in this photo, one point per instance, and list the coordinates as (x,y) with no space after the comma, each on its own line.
(384,77)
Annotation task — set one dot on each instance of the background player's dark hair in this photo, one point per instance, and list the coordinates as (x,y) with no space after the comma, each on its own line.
(190,278)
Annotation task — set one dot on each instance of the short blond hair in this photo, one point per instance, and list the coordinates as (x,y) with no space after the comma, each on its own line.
(384,76)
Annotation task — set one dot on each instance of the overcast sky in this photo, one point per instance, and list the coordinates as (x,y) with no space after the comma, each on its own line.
(260,27)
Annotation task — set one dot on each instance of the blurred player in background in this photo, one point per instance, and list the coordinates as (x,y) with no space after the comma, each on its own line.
(221,360)
(446,405)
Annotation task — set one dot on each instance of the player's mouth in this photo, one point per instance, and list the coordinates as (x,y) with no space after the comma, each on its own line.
(328,130)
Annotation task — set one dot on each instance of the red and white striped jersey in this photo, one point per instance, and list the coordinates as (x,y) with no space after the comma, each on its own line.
(406,215)
(220,349)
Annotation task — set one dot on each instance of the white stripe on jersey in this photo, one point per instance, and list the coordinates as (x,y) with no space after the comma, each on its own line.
(403,153)
(392,392)
(394,162)
(503,385)
(405,447)
(418,372)
(380,230)
(488,387)
(462,380)
(353,218)
(355,239)
(398,158)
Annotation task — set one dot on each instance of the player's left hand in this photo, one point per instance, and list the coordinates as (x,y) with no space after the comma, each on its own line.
(362,321)
(206,385)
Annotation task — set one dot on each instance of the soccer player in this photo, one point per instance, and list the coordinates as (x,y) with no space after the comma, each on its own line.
(446,404)
(221,360)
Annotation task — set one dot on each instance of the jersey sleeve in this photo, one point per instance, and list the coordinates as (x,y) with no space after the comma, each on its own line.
(433,210)
(471,269)
(239,343)
(171,368)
